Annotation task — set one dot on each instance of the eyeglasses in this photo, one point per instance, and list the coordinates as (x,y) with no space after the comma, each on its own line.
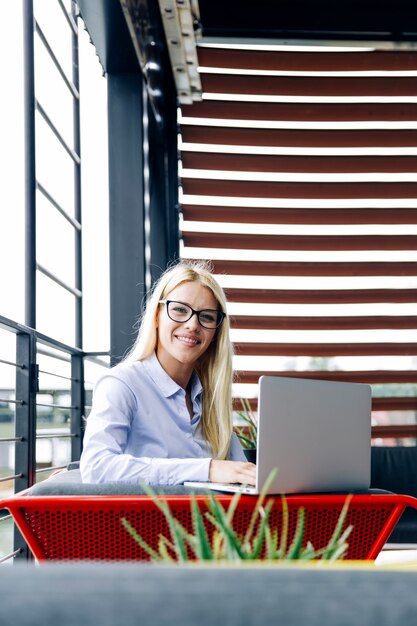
(180,312)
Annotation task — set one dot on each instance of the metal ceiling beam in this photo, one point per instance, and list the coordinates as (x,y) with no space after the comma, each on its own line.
(181,21)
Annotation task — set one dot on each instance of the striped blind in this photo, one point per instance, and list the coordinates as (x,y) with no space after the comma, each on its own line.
(299,182)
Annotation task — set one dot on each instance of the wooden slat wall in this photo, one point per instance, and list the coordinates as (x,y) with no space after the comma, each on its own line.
(311,153)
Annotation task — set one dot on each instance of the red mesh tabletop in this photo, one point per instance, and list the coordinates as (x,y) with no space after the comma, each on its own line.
(90,528)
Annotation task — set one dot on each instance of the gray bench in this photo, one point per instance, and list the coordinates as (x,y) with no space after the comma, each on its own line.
(135,595)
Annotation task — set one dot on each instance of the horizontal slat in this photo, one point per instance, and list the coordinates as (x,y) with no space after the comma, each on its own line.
(300,111)
(309,86)
(394,403)
(407,403)
(325,349)
(306,61)
(370,377)
(283,268)
(394,431)
(274,215)
(320,296)
(386,431)
(245,241)
(272,137)
(268,189)
(314,164)
(323,323)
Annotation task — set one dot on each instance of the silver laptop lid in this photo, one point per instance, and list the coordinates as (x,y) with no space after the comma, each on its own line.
(317,433)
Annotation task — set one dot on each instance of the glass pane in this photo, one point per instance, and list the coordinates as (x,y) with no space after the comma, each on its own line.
(7,409)
(54,167)
(53,411)
(55,310)
(11,164)
(52,93)
(57,31)
(7,431)
(94,198)
(55,241)
(6,536)
(92,372)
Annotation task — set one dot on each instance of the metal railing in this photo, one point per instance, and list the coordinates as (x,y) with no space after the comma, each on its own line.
(27,469)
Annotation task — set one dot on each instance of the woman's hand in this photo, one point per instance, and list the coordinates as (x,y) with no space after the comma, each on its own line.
(232,472)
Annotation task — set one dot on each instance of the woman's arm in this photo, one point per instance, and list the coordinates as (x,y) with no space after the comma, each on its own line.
(104,457)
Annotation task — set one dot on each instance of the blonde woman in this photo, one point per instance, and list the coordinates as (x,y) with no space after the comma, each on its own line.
(164,415)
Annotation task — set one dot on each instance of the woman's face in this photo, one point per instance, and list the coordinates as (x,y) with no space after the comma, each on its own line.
(180,345)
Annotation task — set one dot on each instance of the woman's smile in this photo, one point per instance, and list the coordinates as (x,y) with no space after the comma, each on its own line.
(188,340)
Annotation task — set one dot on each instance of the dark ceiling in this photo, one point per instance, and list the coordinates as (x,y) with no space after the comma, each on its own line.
(377,20)
(284,20)
(370,20)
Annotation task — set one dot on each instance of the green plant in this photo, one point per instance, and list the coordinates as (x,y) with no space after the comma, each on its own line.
(226,545)
(247,436)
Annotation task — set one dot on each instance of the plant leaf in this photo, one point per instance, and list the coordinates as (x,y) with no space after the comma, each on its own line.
(154,555)
(247,409)
(338,552)
(260,537)
(258,505)
(179,538)
(163,545)
(308,553)
(297,542)
(284,530)
(217,543)
(232,543)
(178,532)
(232,506)
(338,530)
(248,443)
(202,544)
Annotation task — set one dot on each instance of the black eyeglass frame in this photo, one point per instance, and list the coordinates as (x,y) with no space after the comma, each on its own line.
(220,314)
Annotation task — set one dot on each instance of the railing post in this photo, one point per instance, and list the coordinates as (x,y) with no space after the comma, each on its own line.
(25,450)
(78,402)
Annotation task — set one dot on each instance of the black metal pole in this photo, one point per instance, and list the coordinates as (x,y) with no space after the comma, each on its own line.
(30,163)
(172,203)
(77,186)
(25,425)
(78,402)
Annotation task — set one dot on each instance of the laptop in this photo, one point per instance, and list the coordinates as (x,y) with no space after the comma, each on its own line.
(317,433)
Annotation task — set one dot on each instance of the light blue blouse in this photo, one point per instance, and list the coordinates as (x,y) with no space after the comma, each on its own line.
(139,429)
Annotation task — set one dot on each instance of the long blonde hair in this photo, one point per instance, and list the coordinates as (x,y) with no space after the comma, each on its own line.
(214,367)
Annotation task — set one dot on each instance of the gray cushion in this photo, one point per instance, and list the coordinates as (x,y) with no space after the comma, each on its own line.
(132,595)
(69,483)
(395,469)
